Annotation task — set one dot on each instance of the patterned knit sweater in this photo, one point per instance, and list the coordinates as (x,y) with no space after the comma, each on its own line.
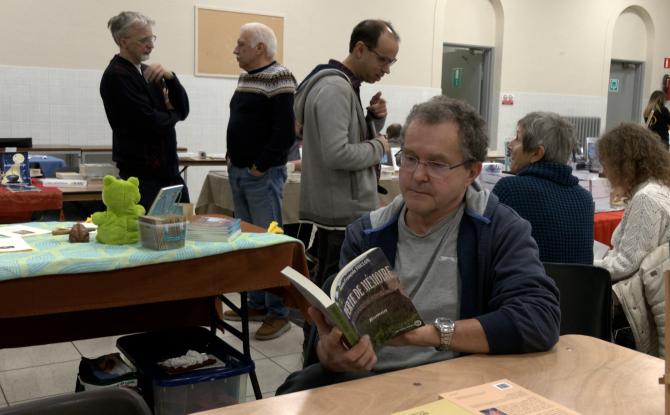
(645,225)
(557,207)
(261,124)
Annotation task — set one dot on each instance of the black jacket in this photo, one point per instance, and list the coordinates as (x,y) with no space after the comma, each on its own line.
(144,138)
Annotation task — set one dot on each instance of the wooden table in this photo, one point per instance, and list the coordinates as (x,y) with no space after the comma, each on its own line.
(91,192)
(187,162)
(52,308)
(583,373)
(216,196)
(66,307)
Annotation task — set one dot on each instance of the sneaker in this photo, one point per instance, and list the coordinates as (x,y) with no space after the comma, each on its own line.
(254,315)
(272,327)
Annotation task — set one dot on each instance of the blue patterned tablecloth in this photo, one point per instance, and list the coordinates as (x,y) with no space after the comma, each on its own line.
(55,255)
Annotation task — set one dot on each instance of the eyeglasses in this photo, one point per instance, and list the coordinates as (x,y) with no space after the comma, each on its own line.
(384,59)
(435,169)
(147,40)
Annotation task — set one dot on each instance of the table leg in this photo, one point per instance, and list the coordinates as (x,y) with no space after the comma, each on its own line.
(243,312)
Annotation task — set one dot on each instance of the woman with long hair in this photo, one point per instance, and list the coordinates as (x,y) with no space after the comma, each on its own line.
(638,169)
(657,116)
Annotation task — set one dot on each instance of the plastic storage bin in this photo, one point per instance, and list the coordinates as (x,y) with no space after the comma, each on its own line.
(192,391)
(161,236)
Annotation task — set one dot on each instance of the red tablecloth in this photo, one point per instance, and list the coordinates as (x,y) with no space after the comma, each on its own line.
(604,224)
(19,206)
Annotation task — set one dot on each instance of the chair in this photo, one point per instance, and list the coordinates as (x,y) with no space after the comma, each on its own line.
(586,299)
(108,401)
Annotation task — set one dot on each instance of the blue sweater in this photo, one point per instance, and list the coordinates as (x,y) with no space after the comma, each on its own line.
(560,211)
(503,283)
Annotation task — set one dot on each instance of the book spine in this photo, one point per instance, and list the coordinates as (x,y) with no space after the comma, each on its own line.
(63,183)
(338,318)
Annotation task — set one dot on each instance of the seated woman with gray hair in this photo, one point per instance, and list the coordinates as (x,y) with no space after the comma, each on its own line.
(544,191)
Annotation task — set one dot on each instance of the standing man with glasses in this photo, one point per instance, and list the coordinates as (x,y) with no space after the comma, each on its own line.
(143,103)
(468,263)
(341,147)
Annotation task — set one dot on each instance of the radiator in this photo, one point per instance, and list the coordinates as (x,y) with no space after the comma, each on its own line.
(585,127)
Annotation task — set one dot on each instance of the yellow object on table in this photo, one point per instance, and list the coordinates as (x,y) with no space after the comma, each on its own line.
(275,228)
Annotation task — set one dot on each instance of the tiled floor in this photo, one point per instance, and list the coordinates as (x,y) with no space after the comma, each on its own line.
(30,373)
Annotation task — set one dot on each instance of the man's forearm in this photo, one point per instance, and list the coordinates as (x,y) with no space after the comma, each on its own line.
(468,337)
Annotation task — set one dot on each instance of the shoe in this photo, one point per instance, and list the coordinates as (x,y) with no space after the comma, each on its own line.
(254,315)
(272,328)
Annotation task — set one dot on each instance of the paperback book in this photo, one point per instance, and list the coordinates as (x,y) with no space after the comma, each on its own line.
(14,244)
(501,397)
(213,228)
(21,231)
(365,298)
(15,168)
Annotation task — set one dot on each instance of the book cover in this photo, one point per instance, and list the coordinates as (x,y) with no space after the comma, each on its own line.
(503,397)
(21,187)
(365,298)
(15,168)
(441,407)
(14,244)
(21,231)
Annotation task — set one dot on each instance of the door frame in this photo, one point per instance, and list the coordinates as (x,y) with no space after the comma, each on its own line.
(638,87)
(485,100)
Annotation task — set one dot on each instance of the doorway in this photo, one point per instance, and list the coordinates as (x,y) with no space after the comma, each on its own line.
(466,75)
(624,97)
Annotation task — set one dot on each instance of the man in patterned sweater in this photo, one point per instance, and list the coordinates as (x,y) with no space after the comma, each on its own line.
(260,134)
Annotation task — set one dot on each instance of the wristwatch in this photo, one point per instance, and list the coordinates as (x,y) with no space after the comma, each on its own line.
(445,328)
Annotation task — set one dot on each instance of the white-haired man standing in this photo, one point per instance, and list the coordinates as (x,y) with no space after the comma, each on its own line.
(143,103)
(260,134)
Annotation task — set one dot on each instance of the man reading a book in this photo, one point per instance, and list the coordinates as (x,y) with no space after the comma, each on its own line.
(468,263)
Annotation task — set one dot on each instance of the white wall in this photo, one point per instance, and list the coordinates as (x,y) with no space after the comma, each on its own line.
(551,55)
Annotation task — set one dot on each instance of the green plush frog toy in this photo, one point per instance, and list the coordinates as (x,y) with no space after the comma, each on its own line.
(118,225)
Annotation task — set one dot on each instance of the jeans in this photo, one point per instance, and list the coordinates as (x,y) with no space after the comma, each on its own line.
(258,200)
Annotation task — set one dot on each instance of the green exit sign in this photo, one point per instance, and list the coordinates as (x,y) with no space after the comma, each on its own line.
(614,85)
(456,77)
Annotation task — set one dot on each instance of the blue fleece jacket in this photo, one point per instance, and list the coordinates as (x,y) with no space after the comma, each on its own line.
(503,282)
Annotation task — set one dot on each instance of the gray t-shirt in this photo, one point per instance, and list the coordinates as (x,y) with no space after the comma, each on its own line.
(428,269)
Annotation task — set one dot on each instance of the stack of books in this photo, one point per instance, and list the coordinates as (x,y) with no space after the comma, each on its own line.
(213,228)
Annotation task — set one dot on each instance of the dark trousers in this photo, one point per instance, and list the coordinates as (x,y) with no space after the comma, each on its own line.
(328,253)
(149,188)
(315,376)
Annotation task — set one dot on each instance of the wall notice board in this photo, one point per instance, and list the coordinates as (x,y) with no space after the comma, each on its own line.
(216,33)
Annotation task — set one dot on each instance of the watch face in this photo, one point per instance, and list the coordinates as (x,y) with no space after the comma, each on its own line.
(442,321)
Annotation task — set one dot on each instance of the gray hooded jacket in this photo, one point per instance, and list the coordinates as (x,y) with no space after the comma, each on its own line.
(338,182)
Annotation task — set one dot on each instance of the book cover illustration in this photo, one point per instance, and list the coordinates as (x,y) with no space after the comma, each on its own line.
(365,298)
(371,297)
(15,168)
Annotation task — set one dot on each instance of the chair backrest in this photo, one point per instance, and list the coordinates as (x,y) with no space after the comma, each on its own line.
(108,401)
(586,299)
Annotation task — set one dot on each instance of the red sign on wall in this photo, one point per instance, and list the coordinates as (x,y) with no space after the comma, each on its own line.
(666,63)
